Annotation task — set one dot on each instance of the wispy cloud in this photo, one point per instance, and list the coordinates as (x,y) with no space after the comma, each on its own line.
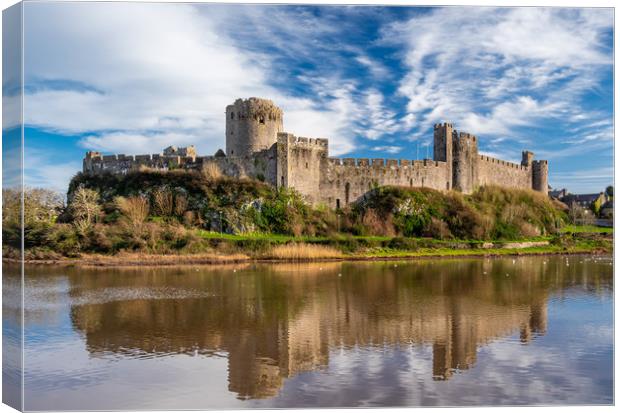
(387,149)
(491,70)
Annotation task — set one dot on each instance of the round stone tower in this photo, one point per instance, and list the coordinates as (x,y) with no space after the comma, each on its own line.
(540,176)
(465,169)
(251,126)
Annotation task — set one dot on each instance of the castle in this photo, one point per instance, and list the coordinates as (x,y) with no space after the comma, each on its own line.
(258,147)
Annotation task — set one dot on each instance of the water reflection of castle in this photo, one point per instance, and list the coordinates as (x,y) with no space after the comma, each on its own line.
(284,320)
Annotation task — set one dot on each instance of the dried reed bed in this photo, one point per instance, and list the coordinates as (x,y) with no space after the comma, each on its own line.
(302,252)
(143,259)
(212,171)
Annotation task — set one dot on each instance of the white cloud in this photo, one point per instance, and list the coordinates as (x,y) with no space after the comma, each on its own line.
(388,149)
(156,72)
(491,69)
(42,171)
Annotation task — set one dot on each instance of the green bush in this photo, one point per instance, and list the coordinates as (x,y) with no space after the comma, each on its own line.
(63,239)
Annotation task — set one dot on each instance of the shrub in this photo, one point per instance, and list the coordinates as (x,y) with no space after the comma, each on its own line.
(163,202)
(63,238)
(134,209)
(437,228)
(180,205)
(400,243)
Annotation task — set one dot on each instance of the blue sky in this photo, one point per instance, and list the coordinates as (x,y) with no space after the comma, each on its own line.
(133,78)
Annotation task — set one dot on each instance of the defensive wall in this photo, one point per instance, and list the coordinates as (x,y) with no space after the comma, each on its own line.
(261,165)
(257,147)
(346,180)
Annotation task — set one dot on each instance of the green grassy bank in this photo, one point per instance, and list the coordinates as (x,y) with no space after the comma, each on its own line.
(208,217)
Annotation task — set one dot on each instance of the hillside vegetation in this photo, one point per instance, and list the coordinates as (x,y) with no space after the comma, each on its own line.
(192,212)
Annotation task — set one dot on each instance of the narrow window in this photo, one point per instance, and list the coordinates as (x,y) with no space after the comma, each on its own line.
(448,186)
(282,180)
(347,188)
(422,182)
(337,203)
(232,115)
(232,152)
(306,165)
(410,182)
(261,119)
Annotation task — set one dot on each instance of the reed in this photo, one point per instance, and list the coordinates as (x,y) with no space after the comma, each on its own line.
(301,252)
(211,171)
(144,259)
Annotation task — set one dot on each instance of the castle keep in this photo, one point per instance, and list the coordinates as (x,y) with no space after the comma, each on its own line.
(258,147)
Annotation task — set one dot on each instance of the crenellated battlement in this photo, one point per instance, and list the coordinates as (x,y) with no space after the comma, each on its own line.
(383,163)
(508,164)
(254,108)
(466,137)
(291,139)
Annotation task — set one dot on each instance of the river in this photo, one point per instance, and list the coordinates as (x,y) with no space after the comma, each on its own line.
(451,332)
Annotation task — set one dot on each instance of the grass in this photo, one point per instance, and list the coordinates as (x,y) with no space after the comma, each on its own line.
(575,229)
(276,238)
(280,238)
(578,248)
(299,251)
(132,259)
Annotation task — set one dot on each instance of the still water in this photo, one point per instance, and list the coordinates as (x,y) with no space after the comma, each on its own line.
(530,330)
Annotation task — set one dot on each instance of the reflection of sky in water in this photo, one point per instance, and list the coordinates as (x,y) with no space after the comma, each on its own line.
(570,363)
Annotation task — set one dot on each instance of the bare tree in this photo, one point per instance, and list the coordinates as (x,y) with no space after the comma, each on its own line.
(163,202)
(40,205)
(578,215)
(84,208)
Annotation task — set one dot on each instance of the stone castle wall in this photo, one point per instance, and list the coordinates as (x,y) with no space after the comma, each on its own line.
(257,147)
(261,165)
(346,180)
(492,171)
(300,164)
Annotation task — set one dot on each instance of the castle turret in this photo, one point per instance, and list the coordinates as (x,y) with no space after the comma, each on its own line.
(540,173)
(442,146)
(465,166)
(252,125)
(87,162)
(526,158)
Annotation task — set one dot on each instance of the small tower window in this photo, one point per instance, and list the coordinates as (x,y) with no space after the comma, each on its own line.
(306,165)
(261,119)
(232,115)
(337,203)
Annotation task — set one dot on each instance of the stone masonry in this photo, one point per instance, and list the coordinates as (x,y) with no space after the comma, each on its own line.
(257,147)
